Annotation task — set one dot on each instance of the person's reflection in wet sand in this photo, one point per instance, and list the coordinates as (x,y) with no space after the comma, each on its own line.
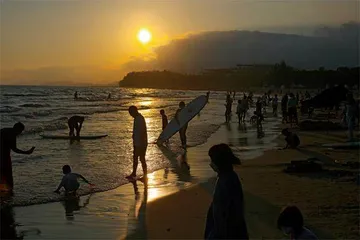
(166,173)
(183,161)
(260,133)
(72,204)
(8,226)
(242,127)
(179,163)
(228,126)
(139,214)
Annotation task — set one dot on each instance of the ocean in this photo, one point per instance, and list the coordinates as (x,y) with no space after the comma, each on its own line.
(105,162)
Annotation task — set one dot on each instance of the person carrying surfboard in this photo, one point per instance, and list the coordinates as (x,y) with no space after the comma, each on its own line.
(8,143)
(140,141)
(75,123)
(182,131)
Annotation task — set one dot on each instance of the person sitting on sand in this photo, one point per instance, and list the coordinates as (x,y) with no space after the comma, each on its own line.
(225,217)
(140,141)
(292,140)
(291,223)
(75,123)
(70,181)
(8,143)
(182,131)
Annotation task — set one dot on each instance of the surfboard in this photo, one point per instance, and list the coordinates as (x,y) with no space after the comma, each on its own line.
(347,145)
(186,114)
(89,137)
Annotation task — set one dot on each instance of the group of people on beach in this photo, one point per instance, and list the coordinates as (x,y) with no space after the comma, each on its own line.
(226,214)
(70,180)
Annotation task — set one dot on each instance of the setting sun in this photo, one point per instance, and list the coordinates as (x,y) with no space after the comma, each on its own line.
(144,36)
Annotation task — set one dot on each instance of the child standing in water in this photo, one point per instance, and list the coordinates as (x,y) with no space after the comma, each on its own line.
(164,121)
(239,111)
(70,181)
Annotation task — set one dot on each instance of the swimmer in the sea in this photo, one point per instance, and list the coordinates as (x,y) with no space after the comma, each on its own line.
(75,123)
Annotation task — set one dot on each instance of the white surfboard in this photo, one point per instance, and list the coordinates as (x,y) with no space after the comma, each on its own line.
(186,114)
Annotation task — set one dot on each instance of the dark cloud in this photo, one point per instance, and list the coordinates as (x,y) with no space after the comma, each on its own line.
(329,47)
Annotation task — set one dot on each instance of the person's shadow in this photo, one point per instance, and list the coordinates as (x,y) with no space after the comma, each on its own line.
(179,163)
(8,224)
(72,204)
(138,217)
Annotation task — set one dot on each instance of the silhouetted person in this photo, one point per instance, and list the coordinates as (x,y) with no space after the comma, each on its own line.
(275,103)
(75,123)
(239,111)
(228,107)
(284,108)
(8,143)
(258,113)
(292,140)
(350,115)
(182,131)
(140,141)
(291,223)
(76,95)
(70,181)
(292,109)
(109,96)
(164,119)
(225,217)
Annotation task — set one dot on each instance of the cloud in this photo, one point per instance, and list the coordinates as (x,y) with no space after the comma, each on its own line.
(330,47)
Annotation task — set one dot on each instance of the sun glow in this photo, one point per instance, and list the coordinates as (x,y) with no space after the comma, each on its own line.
(144,36)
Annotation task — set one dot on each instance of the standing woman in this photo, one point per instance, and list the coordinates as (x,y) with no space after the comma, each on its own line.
(350,115)
(292,109)
(284,105)
(225,218)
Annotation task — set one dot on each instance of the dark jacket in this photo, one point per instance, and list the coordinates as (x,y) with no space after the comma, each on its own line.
(225,218)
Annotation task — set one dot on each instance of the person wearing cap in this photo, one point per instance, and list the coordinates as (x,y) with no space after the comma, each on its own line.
(8,143)
(225,217)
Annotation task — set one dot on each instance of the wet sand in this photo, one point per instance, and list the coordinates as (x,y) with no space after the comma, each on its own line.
(175,201)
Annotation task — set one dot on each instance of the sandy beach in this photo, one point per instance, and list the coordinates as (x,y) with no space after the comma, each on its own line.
(174,203)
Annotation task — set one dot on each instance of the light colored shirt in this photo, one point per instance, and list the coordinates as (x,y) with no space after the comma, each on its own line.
(139,131)
(70,182)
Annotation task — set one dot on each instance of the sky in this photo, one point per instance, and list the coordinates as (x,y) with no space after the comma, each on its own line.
(51,41)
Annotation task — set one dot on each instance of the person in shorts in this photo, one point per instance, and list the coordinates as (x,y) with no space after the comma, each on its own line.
(140,141)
